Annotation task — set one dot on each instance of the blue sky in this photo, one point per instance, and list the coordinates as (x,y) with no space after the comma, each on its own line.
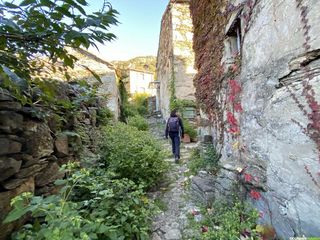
(138,31)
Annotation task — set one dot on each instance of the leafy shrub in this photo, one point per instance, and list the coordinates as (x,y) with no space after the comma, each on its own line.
(211,159)
(140,101)
(138,122)
(91,205)
(133,154)
(189,129)
(196,163)
(181,104)
(225,221)
(208,160)
(104,115)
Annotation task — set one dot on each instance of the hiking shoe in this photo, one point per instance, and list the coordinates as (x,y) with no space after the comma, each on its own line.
(176,160)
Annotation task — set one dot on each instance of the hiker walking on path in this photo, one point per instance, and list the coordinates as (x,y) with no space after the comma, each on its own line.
(174,127)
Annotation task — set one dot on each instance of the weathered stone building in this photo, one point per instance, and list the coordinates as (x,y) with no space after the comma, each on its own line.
(258,84)
(175,58)
(108,87)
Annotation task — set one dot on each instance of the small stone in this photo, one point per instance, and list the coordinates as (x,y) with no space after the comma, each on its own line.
(173,234)
(155,236)
(5,95)
(8,146)
(48,175)
(62,146)
(11,119)
(87,121)
(30,127)
(10,106)
(8,167)
(39,142)
(30,171)
(14,183)
(31,162)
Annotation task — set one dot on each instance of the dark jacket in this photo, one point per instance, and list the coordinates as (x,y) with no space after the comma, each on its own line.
(181,127)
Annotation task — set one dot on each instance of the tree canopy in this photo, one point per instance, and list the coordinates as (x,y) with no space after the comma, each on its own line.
(33,29)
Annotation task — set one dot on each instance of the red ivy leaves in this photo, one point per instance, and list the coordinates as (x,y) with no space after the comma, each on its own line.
(231,119)
(235,87)
(234,128)
(255,195)
(238,107)
(247,177)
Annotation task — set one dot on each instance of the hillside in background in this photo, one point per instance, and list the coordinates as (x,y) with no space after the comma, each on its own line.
(143,63)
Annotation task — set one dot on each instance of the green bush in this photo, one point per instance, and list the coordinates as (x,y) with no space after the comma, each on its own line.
(133,154)
(228,221)
(140,101)
(189,129)
(208,160)
(211,159)
(104,116)
(138,122)
(91,205)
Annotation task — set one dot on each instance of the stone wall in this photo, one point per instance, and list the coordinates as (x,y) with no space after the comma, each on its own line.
(277,143)
(165,61)
(107,88)
(175,55)
(35,142)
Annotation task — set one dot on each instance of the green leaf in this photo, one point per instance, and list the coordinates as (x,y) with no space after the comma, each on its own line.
(10,5)
(64,9)
(68,61)
(15,214)
(47,3)
(82,2)
(60,182)
(27,2)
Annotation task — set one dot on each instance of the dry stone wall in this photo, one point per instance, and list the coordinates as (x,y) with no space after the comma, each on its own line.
(32,147)
(271,138)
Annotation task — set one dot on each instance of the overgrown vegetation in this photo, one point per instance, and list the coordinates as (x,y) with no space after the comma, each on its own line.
(207,160)
(133,154)
(181,104)
(189,129)
(227,221)
(138,104)
(102,202)
(92,204)
(139,122)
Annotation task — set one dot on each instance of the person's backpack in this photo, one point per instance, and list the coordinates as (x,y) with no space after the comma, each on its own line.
(173,124)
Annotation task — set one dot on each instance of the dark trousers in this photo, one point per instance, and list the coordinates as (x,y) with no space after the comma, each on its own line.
(175,140)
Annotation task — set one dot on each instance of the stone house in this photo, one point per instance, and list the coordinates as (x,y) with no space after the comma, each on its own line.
(258,85)
(139,82)
(175,57)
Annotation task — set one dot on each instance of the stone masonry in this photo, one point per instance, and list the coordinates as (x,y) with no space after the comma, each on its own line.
(35,143)
(175,58)
(278,142)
